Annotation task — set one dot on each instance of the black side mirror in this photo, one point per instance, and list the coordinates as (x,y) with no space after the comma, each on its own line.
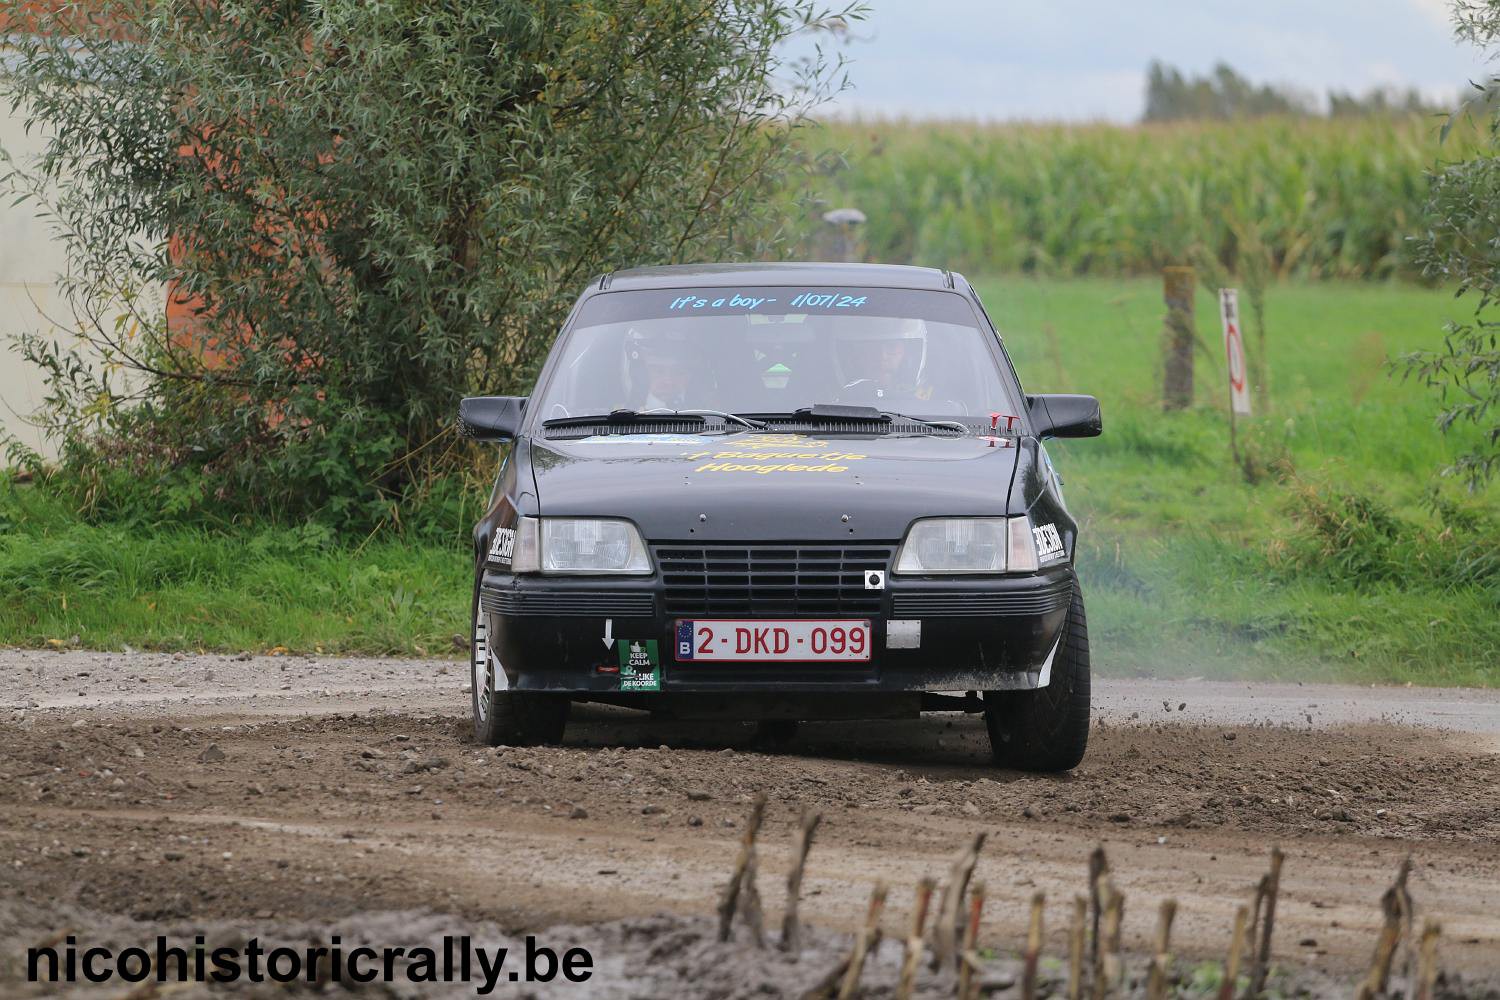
(1062,415)
(491,418)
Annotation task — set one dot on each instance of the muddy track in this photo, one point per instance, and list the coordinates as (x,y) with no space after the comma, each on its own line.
(228,790)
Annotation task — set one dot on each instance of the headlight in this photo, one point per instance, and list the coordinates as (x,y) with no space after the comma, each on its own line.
(580,545)
(968,545)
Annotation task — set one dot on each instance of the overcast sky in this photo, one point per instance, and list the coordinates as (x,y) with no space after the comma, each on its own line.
(1086,59)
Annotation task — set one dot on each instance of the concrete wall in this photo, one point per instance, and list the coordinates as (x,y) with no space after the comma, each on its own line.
(30,260)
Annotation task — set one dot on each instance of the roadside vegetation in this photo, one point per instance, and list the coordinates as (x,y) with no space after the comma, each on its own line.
(1338,561)
(363,212)
(1331,551)
(1300,197)
(68,581)
(271,462)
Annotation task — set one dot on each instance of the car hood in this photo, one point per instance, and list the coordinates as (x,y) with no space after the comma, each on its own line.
(743,487)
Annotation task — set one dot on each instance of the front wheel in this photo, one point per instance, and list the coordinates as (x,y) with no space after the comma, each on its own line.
(503,717)
(1046,729)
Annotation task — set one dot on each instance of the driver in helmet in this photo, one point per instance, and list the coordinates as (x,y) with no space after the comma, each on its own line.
(882,357)
(661,368)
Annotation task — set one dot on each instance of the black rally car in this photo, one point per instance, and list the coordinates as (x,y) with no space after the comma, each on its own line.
(781,492)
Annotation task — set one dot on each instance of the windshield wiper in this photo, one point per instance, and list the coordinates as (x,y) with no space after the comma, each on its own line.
(723,415)
(869,414)
(951,425)
(838,411)
(615,417)
(657,415)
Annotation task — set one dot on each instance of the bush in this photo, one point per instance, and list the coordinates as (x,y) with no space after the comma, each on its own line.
(362,212)
(1355,539)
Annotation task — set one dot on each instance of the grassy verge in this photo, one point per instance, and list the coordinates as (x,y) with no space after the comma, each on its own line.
(1333,564)
(65,582)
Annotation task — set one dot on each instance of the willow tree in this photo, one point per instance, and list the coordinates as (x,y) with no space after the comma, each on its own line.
(1461,246)
(362,211)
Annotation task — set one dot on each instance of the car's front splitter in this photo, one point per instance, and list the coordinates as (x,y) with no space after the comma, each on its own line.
(578,635)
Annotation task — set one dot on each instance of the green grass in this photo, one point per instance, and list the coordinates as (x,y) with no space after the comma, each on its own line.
(195,590)
(1192,570)
(1333,565)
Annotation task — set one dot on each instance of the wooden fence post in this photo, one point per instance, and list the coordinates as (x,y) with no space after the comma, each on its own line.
(1178,336)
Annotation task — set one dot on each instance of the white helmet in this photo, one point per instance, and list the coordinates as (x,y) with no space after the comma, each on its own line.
(888,353)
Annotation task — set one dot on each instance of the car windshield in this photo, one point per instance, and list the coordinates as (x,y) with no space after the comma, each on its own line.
(775,350)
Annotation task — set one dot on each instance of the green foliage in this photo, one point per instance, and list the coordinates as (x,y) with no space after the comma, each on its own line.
(297,587)
(1460,246)
(1356,539)
(1191,569)
(1298,197)
(370,210)
(122,480)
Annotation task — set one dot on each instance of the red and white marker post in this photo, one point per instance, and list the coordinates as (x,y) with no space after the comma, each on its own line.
(1234,353)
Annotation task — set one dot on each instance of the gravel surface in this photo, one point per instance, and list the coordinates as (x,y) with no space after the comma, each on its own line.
(284,685)
(150,793)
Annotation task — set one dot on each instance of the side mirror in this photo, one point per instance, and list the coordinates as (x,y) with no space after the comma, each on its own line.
(491,418)
(1062,415)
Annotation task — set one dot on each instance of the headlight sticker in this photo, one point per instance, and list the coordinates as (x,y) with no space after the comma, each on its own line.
(503,545)
(1049,544)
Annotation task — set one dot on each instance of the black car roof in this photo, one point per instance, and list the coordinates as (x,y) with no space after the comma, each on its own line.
(809,272)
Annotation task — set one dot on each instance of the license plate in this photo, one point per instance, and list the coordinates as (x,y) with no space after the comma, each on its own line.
(759,640)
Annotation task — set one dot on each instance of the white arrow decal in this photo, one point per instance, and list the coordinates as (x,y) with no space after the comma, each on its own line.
(609,632)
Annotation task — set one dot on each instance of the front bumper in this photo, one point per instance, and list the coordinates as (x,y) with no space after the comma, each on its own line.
(996,633)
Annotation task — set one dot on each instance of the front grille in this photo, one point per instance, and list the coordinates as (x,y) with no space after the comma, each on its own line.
(754,580)
(957,604)
(535,602)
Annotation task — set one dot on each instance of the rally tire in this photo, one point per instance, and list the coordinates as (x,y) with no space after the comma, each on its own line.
(1047,729)
(504,717)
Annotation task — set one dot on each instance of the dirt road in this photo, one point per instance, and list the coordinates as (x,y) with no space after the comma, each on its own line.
(146,791)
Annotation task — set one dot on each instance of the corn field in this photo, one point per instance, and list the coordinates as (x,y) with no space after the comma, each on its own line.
(1297,197)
